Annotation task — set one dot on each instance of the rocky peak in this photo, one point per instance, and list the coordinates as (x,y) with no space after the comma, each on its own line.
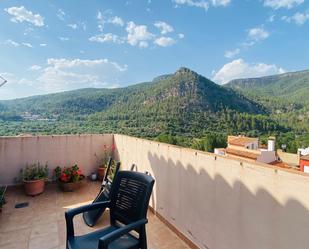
(185,70)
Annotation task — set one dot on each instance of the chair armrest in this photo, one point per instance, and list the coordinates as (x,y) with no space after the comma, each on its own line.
(108,238)
(69,214)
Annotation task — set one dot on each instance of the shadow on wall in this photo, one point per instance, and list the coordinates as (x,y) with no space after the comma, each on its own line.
(216,214)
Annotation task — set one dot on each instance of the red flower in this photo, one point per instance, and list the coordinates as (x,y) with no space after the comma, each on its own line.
(64,177)
(70,174)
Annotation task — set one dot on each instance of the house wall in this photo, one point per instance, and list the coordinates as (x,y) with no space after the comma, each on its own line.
(267,157)
(288,158)
(241,148)
(16,152)
(223,203)
(302,164)
(253,145)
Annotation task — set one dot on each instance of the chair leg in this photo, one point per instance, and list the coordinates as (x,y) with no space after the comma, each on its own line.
(143,238)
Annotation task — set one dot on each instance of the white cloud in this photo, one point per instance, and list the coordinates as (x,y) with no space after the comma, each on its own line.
(241,69)
(116,20)
(73,26)
(60,14)
(12,89)
(257,34)
(35,68)
(271,18)
(164,41)
(231,53)
(43,45)
(109,37)
(138,34)
(163,27)
(65,74)
(220,2)
(84,26)
(26,44)
(181,36)
(101,21)
(28,30)
(277,4)
(193,3)
(11,43)
(143,44)
(21,14)
(15,80)
(298,18)
(202,3)
(63,38)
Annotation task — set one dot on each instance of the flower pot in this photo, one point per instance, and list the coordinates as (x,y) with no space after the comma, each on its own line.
(94,176)
(71,186)
(101,173)
(34,187)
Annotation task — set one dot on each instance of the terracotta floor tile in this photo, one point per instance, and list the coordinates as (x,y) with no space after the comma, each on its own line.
(19,236)
(44,229)
(49,241)
(42,224)
(17,245)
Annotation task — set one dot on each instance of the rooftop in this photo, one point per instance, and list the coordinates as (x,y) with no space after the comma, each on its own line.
(41,225)
(242,141)
(305,157)
(242,153)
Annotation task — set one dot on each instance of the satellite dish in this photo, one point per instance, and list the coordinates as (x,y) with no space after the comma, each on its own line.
(3,81)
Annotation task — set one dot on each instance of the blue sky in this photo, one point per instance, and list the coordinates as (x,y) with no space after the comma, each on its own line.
(52,46)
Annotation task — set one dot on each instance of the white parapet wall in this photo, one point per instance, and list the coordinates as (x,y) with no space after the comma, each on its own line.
(216,202)
(67,150)
(222,203)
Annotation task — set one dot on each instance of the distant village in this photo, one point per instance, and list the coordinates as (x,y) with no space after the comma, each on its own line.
(36,117)
(251,149)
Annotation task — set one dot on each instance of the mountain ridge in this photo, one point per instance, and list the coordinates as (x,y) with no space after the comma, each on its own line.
(184,83)
(180,103)
(291,86)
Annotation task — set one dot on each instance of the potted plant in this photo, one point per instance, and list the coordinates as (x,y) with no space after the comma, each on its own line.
(103,161)
(33,177)
(69,179)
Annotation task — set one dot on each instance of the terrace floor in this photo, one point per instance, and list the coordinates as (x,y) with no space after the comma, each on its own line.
(41,225)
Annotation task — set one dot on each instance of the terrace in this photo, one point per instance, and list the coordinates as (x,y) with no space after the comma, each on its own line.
(41,225)
(200,200)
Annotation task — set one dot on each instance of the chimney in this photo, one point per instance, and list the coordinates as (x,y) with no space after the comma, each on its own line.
(299,154)
(271,144)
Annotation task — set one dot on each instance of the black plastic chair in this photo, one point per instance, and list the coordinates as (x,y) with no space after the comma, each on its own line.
(129,202)
(91,217)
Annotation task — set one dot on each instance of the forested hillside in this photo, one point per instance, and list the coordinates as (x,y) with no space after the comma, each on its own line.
(286,98)
(182,108)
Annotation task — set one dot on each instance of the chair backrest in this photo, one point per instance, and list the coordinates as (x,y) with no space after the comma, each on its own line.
(130,196)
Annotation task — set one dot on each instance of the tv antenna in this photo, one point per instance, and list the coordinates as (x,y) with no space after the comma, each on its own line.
(3,81)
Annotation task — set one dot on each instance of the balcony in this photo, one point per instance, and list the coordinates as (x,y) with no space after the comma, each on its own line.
(200,200)
(41,225)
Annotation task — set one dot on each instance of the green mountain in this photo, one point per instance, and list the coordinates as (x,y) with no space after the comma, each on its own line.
(288,88)
(181,103)
(185,88)
(285,96)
